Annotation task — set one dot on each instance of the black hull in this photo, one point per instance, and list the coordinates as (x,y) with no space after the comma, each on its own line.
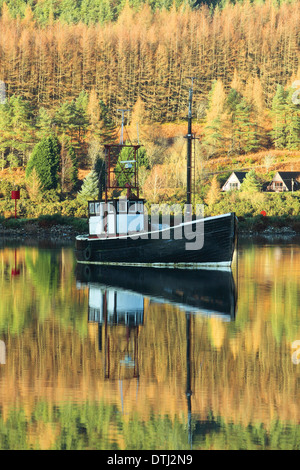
(211,291)
(218,247)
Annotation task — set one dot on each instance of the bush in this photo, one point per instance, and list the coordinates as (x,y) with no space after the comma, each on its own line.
(50,220)
(6,188)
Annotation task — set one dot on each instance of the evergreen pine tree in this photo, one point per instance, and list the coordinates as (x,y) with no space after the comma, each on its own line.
(250,183)
(233,99)
(108,127)
(89,190)
(292,122)
(68,165)
(279,111)
(43,123)
(245,128)
(16,127)
(45,159)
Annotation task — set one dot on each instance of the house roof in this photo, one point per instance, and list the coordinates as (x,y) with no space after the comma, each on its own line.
(288,176)
(285,175)
(240,175)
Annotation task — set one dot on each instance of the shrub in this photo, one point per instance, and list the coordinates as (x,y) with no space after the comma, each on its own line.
(45,159)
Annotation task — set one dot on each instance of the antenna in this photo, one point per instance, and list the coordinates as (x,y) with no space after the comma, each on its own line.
(123,111)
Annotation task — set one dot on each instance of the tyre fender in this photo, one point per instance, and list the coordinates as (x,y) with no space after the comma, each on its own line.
(87,253)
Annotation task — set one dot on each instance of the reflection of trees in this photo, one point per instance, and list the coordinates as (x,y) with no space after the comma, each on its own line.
(44,271)
(245,386)
(46,287)
(89,425)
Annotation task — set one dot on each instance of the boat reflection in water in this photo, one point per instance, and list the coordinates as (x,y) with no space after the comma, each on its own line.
(207,292)
(117,297)
(117,300)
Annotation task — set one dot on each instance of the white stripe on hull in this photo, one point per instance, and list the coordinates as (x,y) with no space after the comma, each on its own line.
(224,265)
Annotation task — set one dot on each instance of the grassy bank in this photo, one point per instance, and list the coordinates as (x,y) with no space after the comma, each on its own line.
(55,225)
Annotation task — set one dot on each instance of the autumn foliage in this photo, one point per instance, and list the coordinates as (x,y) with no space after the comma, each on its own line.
(149,54)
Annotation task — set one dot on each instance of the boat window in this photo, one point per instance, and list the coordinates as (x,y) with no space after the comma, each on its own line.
(122,206)
(97,208)
(132,207)
(140,207)
(92,208)
(111,209)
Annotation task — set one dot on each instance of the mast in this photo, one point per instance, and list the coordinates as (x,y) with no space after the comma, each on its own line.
(188,377)
(189,147)
(123,111)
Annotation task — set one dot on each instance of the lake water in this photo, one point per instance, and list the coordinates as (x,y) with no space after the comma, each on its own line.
(109,359)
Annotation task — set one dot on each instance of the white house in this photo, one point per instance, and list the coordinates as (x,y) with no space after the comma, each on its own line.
(285,181)
(234,181)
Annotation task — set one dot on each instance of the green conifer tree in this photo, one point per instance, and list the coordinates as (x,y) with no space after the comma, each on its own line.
(89,190)
(68,165)
(230,128)
(292,122)
(45,158)
(251,183)
(246,135)
(279,111)
(44,123)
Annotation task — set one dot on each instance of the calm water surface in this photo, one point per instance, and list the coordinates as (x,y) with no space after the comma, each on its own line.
(112,359)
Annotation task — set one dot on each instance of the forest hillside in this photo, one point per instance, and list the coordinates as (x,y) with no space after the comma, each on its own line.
(67,67)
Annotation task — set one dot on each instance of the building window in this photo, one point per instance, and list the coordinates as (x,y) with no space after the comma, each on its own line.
(278,186)
(234,186)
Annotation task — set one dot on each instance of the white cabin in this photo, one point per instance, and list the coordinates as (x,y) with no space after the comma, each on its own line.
(116,217)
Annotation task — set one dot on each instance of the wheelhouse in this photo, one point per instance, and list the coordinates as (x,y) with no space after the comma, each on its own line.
(116,217)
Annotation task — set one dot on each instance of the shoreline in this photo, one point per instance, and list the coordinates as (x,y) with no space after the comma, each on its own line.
(58,233)
(55,234)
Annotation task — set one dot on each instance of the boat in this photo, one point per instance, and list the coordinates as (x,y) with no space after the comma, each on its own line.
(121,232)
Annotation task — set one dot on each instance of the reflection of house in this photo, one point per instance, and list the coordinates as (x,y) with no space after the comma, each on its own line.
(285,181)
(234,181)
(115,307)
